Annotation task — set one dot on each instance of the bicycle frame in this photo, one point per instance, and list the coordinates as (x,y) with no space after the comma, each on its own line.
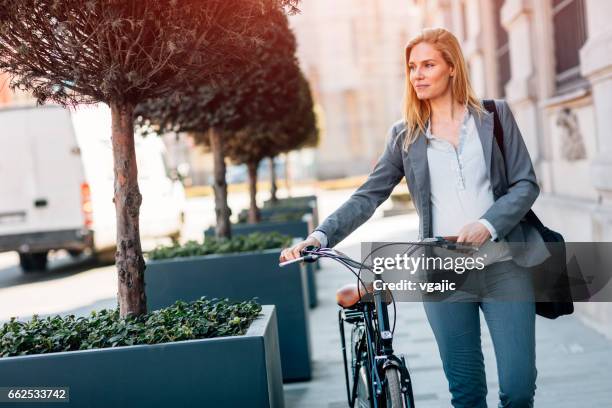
(378,344)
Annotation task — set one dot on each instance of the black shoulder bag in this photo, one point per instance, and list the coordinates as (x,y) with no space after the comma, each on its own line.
(550,269)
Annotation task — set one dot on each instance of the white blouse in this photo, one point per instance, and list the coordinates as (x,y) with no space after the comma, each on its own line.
(461,191)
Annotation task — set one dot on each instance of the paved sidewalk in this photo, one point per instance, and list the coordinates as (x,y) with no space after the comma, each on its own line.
(574,361)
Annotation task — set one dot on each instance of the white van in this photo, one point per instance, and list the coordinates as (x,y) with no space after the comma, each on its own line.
(56,183)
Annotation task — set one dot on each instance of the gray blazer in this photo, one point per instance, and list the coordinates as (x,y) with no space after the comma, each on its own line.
(514,185)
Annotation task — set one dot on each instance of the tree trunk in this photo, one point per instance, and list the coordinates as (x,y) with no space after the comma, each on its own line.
(222,211)
(253,210)
(128,259)
(273,187)
(287,185)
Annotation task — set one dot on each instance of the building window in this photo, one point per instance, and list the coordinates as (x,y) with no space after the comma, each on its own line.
(569,25)
(502,51)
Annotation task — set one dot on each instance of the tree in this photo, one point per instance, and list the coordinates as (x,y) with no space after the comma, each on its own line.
(273,178)
(293,130)
(121,52)
(213,113)
(306,130)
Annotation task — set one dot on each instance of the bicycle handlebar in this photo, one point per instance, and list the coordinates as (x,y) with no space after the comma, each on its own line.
(311,253)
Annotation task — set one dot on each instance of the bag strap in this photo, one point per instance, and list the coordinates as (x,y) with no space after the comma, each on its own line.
(498,131)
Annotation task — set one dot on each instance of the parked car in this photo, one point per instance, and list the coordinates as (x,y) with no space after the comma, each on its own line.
(56,183)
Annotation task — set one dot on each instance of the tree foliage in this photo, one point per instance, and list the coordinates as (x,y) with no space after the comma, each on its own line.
(73,51)
(268,138)
(257,94)
(294,130)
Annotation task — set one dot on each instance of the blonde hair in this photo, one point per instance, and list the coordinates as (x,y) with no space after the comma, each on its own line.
(417,112)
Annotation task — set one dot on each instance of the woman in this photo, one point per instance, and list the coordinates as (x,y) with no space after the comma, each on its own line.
(461,186)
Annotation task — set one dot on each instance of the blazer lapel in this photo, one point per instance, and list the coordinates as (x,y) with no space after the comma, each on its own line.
(484,125)
(417,154)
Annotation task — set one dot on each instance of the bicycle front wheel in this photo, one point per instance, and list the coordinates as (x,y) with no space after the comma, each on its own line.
(395,397)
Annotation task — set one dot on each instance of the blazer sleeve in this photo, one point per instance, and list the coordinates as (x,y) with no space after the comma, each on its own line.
(387,173)
(523,189)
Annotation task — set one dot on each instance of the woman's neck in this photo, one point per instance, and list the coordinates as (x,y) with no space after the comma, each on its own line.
(445,109)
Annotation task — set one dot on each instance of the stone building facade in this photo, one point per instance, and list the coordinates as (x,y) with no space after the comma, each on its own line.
(552,61)
(352,53)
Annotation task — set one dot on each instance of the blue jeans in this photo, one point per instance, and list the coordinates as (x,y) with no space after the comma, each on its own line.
(456,327)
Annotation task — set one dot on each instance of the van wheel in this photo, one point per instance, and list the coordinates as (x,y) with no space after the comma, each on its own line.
(35,261)
(75,253)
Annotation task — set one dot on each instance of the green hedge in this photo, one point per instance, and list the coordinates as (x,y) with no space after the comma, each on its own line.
(202,318)
(243,217)
(243,243)
(290,202)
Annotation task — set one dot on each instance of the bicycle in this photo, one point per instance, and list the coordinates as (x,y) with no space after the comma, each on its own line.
(379,378)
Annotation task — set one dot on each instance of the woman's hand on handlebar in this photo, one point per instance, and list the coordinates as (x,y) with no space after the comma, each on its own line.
(288,254)
(474,233)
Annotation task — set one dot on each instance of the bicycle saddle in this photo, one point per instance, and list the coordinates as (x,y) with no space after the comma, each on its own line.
(348,295)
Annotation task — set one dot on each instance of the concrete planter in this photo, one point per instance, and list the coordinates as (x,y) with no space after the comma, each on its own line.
(295,229)
(236,371)
(310,201)
(292,200)
(238,277)
(271,211)
(280,214)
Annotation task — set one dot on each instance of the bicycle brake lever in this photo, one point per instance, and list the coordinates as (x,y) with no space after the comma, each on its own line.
(307,256)
(307,250)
